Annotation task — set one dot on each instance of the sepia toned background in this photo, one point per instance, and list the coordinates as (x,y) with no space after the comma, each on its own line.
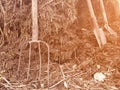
(66,26)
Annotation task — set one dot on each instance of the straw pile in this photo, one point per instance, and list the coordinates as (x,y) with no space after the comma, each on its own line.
(60,23)
(66,26)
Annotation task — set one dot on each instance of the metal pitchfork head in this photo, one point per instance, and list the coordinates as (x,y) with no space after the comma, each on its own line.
(40,59)
(35,40)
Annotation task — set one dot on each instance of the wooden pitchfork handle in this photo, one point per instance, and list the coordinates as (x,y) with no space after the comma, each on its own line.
(103,11)
(96,26)
(34,20)
(92,14)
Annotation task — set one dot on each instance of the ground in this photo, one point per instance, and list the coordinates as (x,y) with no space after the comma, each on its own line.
(75,56)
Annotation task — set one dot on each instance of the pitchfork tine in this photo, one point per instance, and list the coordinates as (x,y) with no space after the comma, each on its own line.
(29,62)
(40,60)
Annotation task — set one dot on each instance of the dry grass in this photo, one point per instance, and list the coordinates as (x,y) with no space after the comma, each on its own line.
(72,46)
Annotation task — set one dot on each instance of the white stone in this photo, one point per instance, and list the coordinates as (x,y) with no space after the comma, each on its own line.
(99,76)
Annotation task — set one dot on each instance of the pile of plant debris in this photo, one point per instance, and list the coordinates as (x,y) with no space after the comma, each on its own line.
(65,25)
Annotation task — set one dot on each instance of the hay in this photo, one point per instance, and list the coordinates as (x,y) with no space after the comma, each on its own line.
(66,26)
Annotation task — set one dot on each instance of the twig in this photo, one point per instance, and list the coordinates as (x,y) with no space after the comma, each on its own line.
(2,38)
(76,86)
(62,71)
(46,4)
(6,81)
(2,8)
(12,86)
(57,83)
(63,76)
(6,85)
(64,80)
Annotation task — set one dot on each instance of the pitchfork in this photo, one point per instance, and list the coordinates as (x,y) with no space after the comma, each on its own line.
(35,40)
(99,34)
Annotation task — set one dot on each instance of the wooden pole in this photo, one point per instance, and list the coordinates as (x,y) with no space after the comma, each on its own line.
(92,14)
(96,26)
(34,20)
(103,12)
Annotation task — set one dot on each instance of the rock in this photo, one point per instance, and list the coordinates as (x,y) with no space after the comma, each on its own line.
(99,76)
